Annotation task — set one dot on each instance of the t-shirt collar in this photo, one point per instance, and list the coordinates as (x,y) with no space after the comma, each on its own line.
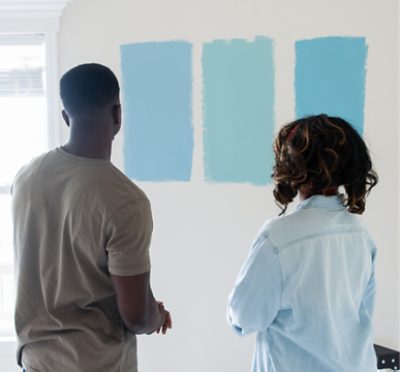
(79,159)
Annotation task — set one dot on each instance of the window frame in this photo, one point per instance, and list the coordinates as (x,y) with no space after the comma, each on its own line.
(6,330)
(16,24)
(26,26)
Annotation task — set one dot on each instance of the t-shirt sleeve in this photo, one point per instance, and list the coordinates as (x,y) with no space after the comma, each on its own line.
(129,237)
(255,300)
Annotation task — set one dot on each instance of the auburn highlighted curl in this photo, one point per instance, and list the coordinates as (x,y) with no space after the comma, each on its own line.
(319,154)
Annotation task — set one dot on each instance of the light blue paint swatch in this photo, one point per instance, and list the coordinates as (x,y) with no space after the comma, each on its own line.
(238,78)
(330,78)
(157,97)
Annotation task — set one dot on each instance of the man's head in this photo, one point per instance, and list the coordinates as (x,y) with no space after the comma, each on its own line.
(88,91)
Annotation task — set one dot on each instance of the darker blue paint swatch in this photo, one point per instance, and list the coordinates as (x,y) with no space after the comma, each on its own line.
(330,78)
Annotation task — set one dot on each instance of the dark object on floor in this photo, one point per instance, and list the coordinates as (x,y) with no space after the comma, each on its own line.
(387,358)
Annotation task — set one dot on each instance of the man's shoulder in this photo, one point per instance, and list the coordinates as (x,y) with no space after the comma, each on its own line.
(123,186)
(32,167)
(113,191)
(97,177)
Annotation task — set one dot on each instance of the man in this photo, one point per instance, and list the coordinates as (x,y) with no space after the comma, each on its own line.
(82,232)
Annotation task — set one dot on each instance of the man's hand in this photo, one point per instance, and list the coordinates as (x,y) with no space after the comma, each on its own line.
(166,322)
(140,312)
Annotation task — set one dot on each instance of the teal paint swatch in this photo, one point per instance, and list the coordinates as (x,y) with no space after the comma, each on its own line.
(330,78)
(238,78)
(157,105)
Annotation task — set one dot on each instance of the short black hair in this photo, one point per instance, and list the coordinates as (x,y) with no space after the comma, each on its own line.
(87,88)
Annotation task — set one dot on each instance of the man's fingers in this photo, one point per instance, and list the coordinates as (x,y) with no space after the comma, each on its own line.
(169,321)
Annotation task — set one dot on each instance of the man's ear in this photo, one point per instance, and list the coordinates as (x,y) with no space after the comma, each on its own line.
(117,117)
(65,117)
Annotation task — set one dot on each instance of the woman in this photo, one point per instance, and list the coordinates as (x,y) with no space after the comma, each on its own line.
(307,286)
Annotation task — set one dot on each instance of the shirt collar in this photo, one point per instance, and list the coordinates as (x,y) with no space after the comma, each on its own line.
(334,202)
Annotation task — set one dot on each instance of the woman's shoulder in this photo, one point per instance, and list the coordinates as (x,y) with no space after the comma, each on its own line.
(275,229)
(278,221)
(309,223)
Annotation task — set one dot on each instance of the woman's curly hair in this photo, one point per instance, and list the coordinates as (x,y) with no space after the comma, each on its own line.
(319,154)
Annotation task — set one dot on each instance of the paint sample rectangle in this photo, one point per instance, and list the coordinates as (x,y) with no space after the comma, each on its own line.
(157,98)
(238,78)
(330,78)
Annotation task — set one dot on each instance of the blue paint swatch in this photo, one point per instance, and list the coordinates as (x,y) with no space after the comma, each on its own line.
(157,97)
(330,78)
(238,78)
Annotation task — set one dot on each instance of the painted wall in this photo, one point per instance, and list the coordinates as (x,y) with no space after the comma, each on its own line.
(203,230)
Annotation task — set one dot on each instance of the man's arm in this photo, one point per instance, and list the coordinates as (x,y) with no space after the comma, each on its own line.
(129,236)
(138,309)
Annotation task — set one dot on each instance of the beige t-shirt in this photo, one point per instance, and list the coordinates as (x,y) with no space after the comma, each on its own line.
(75,221)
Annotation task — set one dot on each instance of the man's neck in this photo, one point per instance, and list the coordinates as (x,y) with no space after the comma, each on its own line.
(86,149)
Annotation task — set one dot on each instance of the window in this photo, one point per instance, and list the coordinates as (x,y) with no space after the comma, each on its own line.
(24,134)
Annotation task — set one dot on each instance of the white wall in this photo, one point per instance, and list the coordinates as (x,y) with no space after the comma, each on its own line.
(202,231)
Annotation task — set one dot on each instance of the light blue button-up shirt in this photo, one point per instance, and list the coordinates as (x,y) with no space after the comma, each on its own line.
(307,289)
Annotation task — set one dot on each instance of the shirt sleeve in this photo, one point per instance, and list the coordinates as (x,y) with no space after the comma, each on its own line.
(129,237)
(255,300)
(369,293)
